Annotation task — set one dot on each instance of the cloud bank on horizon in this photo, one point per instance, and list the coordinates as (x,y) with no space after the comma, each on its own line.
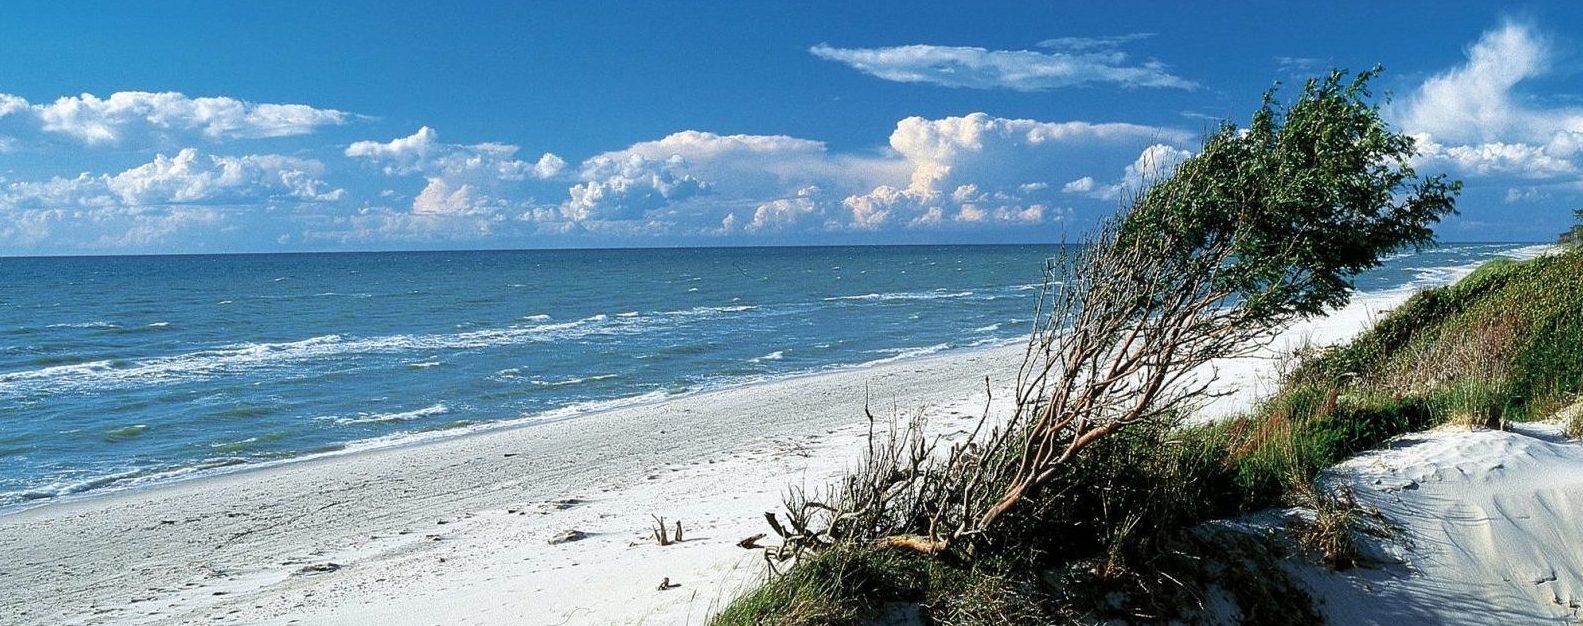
(176,172)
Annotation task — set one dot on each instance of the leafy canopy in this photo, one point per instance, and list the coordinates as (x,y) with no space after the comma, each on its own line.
(1306,197)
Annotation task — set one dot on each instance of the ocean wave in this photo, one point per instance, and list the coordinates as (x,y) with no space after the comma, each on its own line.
(402,416)
(91,325)
(595,406)
(902,354)
(987,329)
(125,432)
(240,357)
(712,310)
(904,295)
(113,480)
(572,381)
(773,356)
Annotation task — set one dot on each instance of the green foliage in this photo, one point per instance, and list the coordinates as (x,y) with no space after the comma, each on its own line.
(1310,194)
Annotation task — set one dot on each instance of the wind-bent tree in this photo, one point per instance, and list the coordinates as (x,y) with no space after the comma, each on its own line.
(1262,227)
(1265,225)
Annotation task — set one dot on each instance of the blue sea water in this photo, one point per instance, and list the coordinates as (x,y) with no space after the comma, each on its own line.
(118,371)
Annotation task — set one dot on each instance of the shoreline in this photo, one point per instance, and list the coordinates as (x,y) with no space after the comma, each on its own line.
(486,426)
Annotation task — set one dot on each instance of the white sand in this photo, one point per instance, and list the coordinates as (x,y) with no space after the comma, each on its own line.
(1491,531)
(455,531)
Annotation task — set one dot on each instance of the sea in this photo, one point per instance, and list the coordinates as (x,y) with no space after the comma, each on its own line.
(117,372)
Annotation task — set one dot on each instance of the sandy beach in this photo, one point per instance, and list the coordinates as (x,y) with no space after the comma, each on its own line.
(459,530)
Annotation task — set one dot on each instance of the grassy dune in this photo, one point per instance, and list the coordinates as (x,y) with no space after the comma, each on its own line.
(1122,535)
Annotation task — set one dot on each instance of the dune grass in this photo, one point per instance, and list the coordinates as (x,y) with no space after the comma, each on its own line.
(1120,534)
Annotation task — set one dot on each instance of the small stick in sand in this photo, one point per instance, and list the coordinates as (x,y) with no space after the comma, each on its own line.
(666,584)
(751,543)
(662,534)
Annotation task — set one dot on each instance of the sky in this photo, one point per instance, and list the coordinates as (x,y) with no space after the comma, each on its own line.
(193,127)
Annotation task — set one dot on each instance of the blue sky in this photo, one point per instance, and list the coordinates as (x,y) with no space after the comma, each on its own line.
(244,127)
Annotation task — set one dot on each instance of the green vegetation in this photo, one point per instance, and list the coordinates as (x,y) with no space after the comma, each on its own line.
(1119,534)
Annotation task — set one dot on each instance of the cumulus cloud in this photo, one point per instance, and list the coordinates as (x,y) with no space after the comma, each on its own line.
(145,205)
(977,167)
(186,178)
(1081,185)
(1497,158)
(936,173)
(1020,70)
(628,188)
(650,177)
(125,115)
(1473,119)
(809,205)
(1155,162)
(460,179)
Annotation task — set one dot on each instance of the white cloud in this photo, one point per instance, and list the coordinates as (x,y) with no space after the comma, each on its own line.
(1020,70)
(619,189)
(807,206)
(128,115)
(423,153)
(1471,117)
(1496,158)
(753,170)
(460,178)
(186,178)
(1080,185)
(1155,162)
(144,206)
(976,167)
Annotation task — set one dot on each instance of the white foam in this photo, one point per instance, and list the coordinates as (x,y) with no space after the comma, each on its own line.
(905,295)
(713,310)
(402,416)
(572,381)
(907,353)
(773,356)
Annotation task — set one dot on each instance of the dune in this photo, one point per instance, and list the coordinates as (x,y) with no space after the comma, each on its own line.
(1488,526)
